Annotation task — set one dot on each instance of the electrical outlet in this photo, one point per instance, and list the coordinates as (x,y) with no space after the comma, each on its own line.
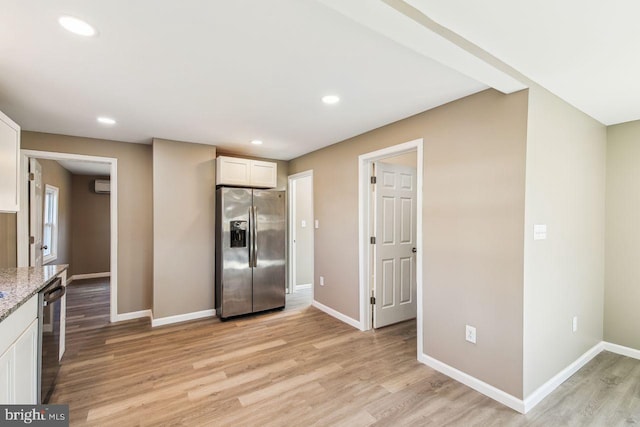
(321,280)
(575,323)
(470,334)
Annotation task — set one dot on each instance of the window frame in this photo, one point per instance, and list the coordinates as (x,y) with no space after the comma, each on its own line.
(52,246)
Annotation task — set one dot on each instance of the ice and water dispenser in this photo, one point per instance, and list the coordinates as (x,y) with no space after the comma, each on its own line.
(238,234)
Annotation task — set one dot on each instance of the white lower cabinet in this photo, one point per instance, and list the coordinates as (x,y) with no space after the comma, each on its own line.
(7,361)
(19,355)
(26,365)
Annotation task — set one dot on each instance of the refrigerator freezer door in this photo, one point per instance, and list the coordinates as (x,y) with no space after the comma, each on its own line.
(269,262)
(233,272)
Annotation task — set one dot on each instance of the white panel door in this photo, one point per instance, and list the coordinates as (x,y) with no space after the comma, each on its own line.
(35,213)
(395,233)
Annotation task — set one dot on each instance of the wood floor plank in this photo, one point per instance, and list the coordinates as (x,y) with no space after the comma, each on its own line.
(287,384)
(240,379)
(238,353)
(160,391)
(334,341)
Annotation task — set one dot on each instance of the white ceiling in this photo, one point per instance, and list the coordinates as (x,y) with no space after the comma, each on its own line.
(584,51)
(226,72)
(81,167)
(212,71)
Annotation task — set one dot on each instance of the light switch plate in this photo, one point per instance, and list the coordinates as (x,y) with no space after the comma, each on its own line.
(317,224)
(303,223)
(539,231)
(470,334)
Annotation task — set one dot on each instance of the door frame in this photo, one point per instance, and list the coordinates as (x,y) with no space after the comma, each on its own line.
(292,202)
(33,212)
(23,214)
(364,215)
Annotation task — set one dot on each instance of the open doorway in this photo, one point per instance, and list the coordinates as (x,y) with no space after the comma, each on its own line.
(301,250)
(408,181)
(70,200)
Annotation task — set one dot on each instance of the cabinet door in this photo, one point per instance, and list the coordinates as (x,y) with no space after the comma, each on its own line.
(26,366)
(9,158)
(233,171)
(6,377)
(264,174)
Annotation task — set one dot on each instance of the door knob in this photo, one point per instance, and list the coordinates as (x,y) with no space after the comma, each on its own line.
(45,247)
(414,250)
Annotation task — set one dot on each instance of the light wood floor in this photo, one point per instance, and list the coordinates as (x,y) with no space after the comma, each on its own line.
(297,367)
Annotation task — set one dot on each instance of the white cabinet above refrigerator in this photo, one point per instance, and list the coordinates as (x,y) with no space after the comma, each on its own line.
(246,173)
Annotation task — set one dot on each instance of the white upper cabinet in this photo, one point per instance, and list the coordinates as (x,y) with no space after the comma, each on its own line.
(246,173)
(9,164)
(264,174)
(232,171)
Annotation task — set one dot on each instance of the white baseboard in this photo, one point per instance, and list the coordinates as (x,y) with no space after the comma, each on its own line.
(622,350)
(525,405)
(88,276)
(304,286)
(182,317)
(134,315)
(545,389)
(331,312)
(476,384)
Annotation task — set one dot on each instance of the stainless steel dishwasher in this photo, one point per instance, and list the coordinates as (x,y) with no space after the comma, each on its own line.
(49,310)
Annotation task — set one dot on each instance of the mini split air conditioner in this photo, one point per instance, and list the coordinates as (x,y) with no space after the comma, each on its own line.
(102,186)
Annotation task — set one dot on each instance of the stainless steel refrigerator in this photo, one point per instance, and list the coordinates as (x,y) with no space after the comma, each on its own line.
(250,251)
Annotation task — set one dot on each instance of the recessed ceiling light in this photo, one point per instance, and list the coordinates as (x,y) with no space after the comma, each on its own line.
(77,26)
(256,142)
(330,99)
(106,121)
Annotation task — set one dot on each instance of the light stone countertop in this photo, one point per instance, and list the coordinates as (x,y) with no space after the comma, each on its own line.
(17,285)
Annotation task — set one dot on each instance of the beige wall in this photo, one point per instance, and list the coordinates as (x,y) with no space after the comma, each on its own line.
(135,238)
(304,235)
(622,290)
(183,227)
(56,175)
(91,229)
(8,239)
(564,274)
(473,215)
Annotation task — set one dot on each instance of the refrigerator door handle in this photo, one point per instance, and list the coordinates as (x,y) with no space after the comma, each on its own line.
(250,245)
(255,236)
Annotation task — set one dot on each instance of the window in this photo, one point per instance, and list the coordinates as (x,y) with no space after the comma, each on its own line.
(50,222)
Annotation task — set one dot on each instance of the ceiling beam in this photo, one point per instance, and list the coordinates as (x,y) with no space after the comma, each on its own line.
(409,27)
